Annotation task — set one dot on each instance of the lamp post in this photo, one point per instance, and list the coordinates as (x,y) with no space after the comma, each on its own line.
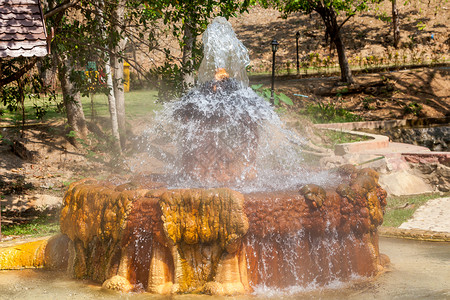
(297,36)
(274,49)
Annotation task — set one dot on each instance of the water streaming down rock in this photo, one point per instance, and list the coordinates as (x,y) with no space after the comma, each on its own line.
(157,237)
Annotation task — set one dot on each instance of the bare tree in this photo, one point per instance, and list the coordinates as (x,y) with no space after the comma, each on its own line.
(395,23)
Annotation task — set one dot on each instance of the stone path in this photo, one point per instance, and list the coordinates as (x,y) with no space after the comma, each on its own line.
(432,216)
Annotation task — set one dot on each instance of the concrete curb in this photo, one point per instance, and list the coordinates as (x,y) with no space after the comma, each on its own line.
(377,141)
(363,125)
(414,234)
(8,241)
(386,124)
(411,153)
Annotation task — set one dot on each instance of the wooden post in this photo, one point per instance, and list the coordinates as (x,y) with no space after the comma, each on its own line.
(273,79)
(297,36)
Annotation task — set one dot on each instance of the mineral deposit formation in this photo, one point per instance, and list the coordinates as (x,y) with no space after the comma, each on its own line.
(215,241)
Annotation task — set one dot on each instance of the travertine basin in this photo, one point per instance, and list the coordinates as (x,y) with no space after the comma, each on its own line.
(142,236)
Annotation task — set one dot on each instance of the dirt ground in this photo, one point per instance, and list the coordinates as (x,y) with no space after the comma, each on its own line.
(402,94)
(36,169)
(389,94)
(395,94)
(424,32)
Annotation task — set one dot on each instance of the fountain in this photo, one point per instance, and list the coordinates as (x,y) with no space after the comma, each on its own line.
(252,217)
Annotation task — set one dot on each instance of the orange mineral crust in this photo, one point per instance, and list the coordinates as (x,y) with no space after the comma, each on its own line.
(215,241)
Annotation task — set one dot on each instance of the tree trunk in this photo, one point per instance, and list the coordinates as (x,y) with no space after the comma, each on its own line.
(22,103)
(395,23)
(112,105)
(119,98)
(72,100)
(329,18)
(110,85)
(346,73)
(187,60)
(119,93)
(48,75)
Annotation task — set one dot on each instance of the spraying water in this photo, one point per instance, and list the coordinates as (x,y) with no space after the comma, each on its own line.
(222,133)
(223,50)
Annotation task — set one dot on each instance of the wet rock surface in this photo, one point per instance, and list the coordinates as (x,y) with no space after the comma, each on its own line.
(291,241)
(162,241)
(219,241)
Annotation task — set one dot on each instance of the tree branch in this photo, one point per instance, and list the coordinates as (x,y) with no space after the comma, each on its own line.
(17,75)
(61,7)
(351,15)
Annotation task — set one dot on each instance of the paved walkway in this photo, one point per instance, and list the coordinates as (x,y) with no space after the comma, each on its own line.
(432,216)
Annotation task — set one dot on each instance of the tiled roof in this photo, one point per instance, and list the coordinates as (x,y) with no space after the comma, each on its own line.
(22,29)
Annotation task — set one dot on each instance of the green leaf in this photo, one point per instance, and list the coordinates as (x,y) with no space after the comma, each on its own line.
(285,99)
(257,86)
(421,25)
(267,93)
(71,134)
(276,100)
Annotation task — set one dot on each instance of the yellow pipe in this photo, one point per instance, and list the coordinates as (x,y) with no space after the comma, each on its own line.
(27,255)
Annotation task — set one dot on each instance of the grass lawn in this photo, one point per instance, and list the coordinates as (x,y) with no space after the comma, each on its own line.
(138,104)
(339,137)
(43,225)
(400,209)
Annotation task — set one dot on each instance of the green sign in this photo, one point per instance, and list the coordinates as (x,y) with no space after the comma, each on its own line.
(91,66)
